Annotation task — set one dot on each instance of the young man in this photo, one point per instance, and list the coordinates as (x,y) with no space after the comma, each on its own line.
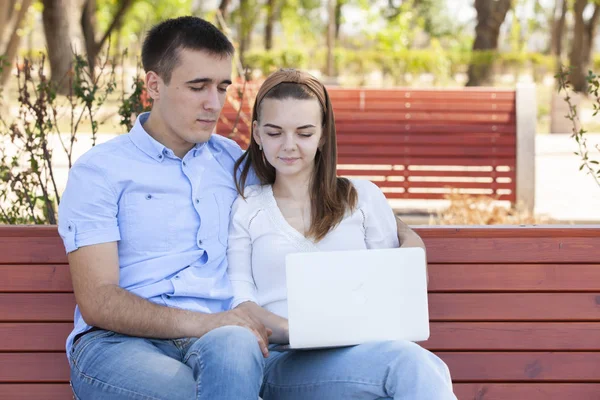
(164,193)
(144,220)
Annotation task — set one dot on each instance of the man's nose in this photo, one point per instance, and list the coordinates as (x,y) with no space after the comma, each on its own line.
(212,102)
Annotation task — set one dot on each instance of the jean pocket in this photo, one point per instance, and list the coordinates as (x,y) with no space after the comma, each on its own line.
(86,341)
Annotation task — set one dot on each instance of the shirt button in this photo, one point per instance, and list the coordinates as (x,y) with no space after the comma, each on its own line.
(148,196)
(184,164)
(168,296)
(176,276)
(197,201)
(160,156)
(70,228)
(199,242)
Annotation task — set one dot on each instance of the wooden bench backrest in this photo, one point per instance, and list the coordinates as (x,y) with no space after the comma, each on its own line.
(417,144)
(515,312)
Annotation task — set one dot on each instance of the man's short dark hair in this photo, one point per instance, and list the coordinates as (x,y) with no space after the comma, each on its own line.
(160,52)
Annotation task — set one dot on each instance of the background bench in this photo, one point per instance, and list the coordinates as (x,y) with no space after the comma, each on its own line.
(424,143)
(515,312)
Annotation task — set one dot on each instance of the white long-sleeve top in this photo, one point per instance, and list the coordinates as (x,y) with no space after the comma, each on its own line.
(260,238)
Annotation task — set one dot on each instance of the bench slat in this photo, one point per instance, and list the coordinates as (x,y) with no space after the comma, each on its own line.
(442,278)
(34,336)
(526,391)
(45,391)
(413,183)
(341,105)
(523,367)
(514,307)
(58,307)
(464,391)
(491,245)
(386,172)
(37,307)
(465,367)
(445,336)
(398,151)
(35,278)
(524,336)
(514,250)
(514,277)
(405,116)
(478,161)
(410,139)
(34,367)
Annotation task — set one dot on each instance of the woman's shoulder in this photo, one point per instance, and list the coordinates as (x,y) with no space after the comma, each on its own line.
(365,188)
(252,198)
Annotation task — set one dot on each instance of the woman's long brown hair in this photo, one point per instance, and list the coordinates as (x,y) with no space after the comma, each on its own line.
(330,196)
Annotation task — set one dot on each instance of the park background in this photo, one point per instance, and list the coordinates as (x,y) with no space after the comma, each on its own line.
(71,78)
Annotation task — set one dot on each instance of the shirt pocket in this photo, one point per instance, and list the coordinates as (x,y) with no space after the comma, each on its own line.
(148,226)
(224,202)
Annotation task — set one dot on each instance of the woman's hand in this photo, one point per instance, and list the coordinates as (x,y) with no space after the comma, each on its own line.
(278,325)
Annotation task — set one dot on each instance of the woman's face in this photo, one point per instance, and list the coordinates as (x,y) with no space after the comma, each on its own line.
(290,132)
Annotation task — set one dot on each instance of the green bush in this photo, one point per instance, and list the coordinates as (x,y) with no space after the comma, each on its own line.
(442,64)
(269,61)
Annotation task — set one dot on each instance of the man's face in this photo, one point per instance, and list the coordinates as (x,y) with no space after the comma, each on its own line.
(190,104)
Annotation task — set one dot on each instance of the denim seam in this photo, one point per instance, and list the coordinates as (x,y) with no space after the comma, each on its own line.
(273,385)
(108,385)
(196,353)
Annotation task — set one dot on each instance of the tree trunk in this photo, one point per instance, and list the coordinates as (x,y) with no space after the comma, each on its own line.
(88,26)
(590,31)
(6,11)
(338,17)
(558,27)
(271,17)
(558,106)
(10,51)
(56,29)
(245,27)
(223,8)
(330,37)
(490,16)
(582,45)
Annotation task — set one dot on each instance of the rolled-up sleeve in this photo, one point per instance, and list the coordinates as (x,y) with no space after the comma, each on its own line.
(239,256)
(381,230)
(88,209)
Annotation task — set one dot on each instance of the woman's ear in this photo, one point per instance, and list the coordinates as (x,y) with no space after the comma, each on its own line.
(255,133)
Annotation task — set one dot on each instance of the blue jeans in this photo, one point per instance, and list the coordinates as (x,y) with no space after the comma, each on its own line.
(383,370)
(226,364)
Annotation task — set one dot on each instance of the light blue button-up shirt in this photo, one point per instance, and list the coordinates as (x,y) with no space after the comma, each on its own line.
(170,217)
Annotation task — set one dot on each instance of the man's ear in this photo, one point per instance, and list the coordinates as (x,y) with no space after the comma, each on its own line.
(153,83)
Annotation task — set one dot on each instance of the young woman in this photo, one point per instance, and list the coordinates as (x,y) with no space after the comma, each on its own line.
(301,205)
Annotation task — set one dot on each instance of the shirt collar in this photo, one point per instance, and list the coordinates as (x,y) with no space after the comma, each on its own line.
(146,143)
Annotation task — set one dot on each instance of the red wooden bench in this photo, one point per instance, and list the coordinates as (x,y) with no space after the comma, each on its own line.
(515,311)
(425,143)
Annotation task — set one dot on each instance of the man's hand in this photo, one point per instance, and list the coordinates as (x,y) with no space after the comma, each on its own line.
(278,325)
(242,317)
(409,238)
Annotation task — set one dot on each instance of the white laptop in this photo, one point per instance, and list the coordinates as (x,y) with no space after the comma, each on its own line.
(345,298)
